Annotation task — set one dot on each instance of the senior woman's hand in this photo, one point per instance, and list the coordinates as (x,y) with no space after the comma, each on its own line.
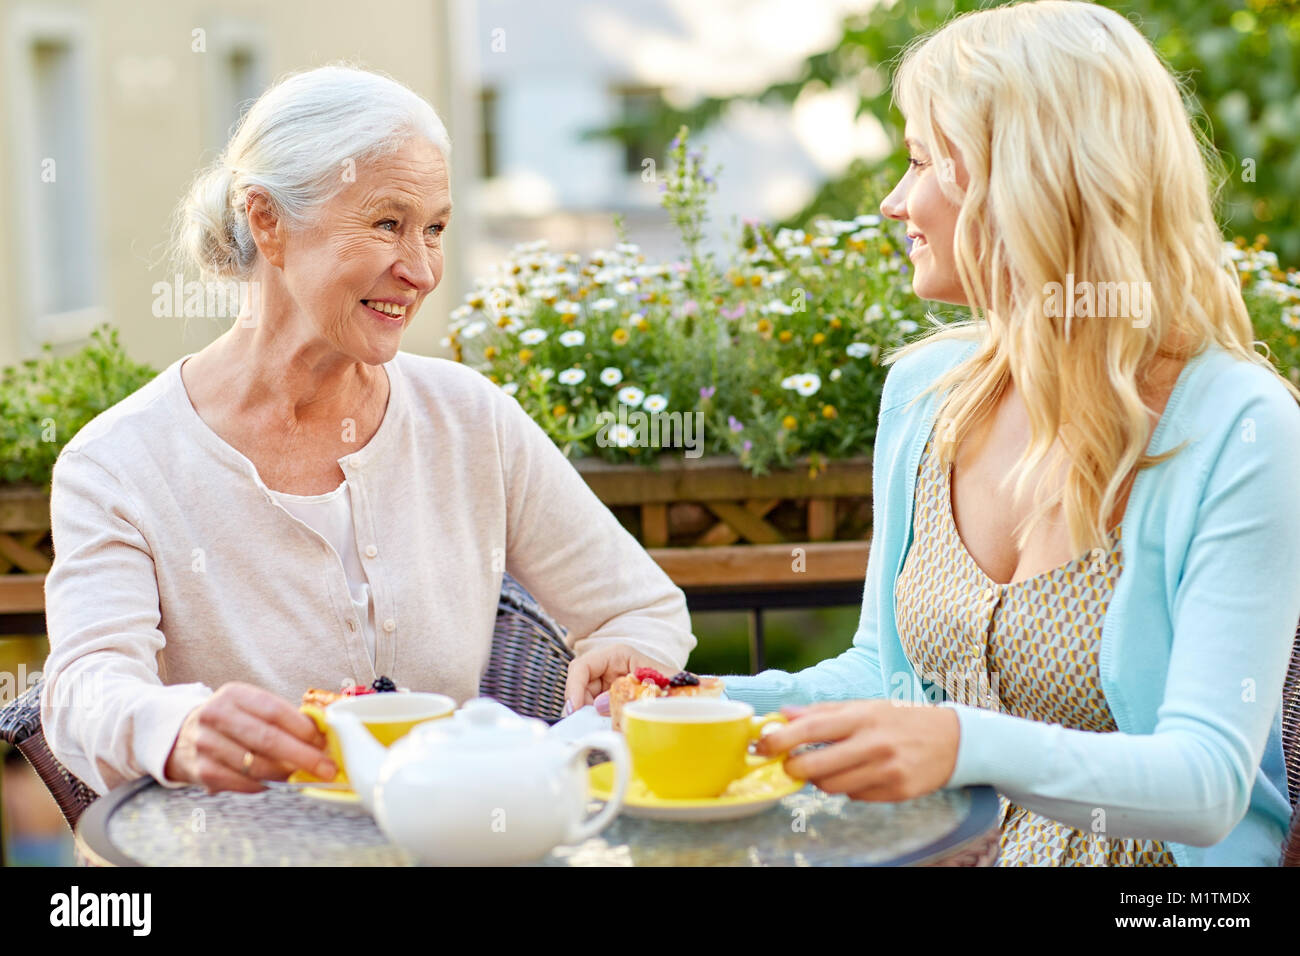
(240,719)
(590,674)
(879,749)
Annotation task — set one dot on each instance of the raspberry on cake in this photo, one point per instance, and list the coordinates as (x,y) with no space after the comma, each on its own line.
(646,682)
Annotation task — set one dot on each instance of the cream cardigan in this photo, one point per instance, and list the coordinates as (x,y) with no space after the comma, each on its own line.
(176,571)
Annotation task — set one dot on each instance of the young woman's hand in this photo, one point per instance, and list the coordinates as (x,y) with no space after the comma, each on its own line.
(879,750)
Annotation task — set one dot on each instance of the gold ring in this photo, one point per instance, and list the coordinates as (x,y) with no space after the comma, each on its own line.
(248,762)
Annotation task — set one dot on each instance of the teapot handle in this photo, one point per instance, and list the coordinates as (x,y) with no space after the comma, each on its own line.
(612,743)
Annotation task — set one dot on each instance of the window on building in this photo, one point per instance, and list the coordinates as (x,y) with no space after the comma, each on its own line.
(637,107)
(50,93)
(237,76)
(488,120)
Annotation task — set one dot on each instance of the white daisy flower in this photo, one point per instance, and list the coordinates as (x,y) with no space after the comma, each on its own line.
(788,382)
(858,349)
(473,329)
(572,338)
(874,313)
(610,376)
(807,384)
(603,305)
(461,312)
(626,287)
(510,388)
(655,403)
(907,326)
(631,395)
(621,435)
(627,248)
(868,220)
(546,374)
(1291,317)
(572,376)
(532,336)
(779,307)
(835,375)
(566,307)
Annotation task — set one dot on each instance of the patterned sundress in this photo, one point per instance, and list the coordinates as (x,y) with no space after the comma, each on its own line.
(1028,649)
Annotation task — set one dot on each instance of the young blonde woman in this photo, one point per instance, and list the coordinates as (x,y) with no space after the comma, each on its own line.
(1086,546)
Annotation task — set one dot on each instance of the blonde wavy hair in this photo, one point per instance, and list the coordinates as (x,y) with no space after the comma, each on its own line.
(1082,159)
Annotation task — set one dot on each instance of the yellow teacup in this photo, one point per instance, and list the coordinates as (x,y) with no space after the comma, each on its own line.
(691,748)
(388,717)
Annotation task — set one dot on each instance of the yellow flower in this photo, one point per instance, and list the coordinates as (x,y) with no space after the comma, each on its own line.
(476,302)
(503,321)
(828,411)
(620,336)
(490,352)
(568,319)
(582,292)
(786,336)
(559,411)
(818,338)
(549,299)
(494,380)
(836,324)
(642,325)
(738,280)
(756,280)
(1292,340)
(525,355)
(788,423)
(764,328)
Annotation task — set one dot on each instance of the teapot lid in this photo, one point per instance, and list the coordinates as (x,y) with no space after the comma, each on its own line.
(484,724)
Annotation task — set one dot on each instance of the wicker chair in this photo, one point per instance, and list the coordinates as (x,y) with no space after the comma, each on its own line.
(526,672)
(1291,751)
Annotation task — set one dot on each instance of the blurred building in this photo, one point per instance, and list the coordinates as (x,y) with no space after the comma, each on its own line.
(107,109)
(550,73)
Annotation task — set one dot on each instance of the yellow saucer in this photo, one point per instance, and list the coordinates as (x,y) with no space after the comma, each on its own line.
(753,793)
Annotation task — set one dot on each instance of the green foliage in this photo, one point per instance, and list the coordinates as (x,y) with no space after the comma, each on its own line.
(45,401)
(1241,59)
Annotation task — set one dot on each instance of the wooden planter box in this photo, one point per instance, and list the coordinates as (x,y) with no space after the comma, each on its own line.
(25,549)
(709,523)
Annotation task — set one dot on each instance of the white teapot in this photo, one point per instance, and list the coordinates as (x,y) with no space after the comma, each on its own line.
(484,786)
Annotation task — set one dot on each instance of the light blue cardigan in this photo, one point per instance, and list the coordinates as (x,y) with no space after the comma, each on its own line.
(1195,642)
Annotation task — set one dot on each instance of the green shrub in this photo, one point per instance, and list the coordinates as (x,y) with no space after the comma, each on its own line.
(45,401)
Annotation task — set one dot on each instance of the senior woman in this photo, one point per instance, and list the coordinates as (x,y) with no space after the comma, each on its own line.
(301,504)
(1109,651)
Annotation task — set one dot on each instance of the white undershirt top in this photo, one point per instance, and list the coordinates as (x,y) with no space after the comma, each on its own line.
(330,516)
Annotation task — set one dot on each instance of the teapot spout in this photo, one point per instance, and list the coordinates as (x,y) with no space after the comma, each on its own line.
(362,754)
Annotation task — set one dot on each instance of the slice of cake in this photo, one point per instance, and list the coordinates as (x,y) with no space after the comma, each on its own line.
(646,682)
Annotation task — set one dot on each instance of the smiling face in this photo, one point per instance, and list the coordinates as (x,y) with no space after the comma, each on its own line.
(931,218)
(359,274)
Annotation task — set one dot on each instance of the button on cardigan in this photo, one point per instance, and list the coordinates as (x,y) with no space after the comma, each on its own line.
(175,569)
(1195,640)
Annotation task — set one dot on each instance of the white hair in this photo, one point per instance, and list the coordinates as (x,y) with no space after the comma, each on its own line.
(296,144)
